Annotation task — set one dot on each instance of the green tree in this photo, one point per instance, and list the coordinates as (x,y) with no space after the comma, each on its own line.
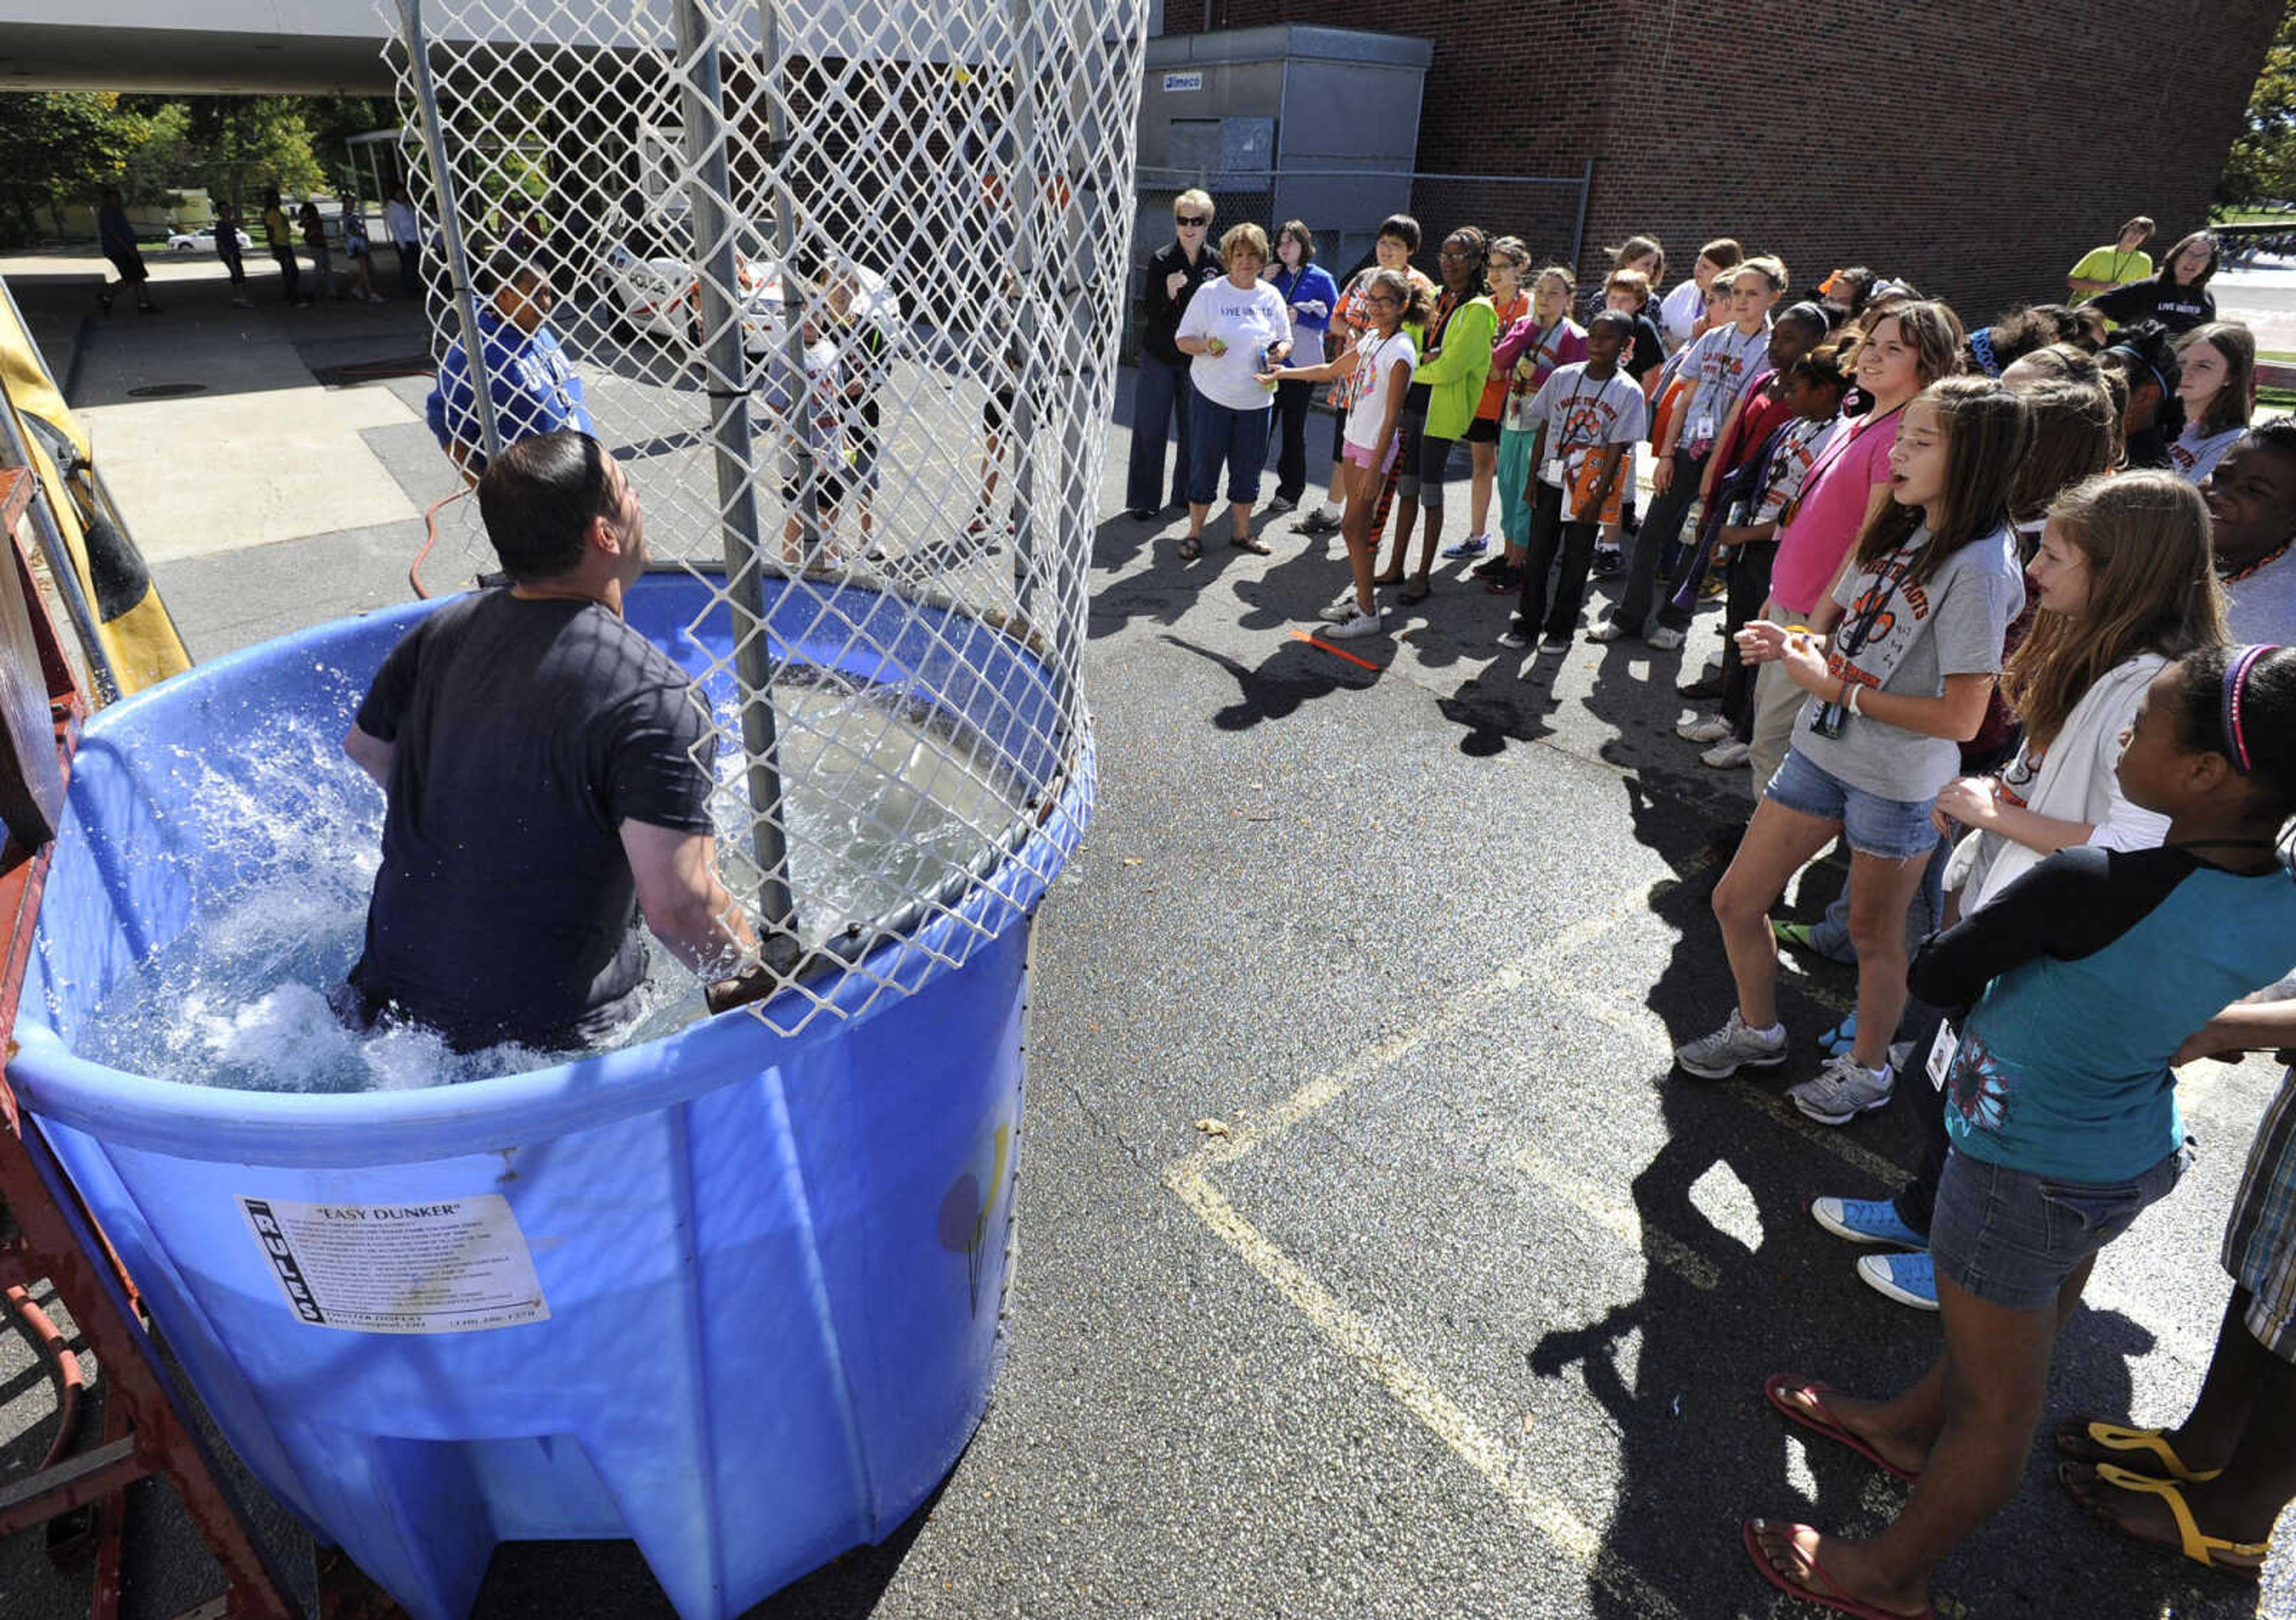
(59,146)
(245,143)
(2262,162)
(166,160)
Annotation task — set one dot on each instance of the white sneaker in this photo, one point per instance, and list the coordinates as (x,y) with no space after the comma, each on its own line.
(1843,1089)
(1731,1048)
(1609,630)
(1705,728)
(1339,609)
(1356,624)
(1664,638)
(1513,641)
(1728,755)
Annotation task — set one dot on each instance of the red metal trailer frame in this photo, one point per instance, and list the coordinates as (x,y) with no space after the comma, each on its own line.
(144,1432)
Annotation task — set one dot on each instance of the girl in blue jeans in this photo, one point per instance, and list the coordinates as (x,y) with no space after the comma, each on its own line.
(1912,637)
(2086,975)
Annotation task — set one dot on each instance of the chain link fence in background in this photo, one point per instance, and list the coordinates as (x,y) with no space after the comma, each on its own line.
(837,279)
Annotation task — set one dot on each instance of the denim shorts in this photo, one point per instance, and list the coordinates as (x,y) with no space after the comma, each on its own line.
(1890,829)
(2011,1238)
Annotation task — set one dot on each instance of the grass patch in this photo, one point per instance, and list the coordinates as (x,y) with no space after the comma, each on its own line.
(2276,399)
(2250,216)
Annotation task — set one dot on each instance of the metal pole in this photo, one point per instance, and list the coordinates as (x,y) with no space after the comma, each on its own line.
(799,468)
(1024,350)
(725,370)
(458,261)
(1578,228)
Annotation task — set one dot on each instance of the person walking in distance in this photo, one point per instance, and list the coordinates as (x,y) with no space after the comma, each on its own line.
(279,232)
(406,236)
(119,240)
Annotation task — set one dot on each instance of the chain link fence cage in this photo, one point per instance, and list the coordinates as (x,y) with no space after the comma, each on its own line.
(837,276)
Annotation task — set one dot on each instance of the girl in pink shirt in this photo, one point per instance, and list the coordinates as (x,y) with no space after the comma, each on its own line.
(1848,484)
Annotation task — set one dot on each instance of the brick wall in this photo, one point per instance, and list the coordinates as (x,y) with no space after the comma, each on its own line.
(1978,150)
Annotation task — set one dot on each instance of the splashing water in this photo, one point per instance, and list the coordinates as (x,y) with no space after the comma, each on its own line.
(880,799)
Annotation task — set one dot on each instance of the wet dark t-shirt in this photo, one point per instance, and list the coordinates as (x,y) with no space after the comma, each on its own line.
(526,733)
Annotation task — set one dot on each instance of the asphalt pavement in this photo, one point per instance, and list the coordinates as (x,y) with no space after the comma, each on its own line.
(1461,1306)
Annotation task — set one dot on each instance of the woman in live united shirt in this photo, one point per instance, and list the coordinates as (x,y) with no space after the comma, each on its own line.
(2177,295)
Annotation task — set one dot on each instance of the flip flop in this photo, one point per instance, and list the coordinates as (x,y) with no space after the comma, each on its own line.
(2199,1548)
(1252,544)
(1780,1385)
(2119,1438)
(1837,1041)
(1190,549)
(1794,935)
(1809,1590)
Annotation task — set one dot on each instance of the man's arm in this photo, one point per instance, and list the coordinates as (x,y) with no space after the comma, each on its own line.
(371,754)
(2246,1026)
(683,902)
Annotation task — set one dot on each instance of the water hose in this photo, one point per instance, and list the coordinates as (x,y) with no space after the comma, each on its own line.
(42,1332)
(430,539)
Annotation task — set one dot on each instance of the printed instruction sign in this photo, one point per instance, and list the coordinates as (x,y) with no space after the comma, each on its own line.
(459,1266)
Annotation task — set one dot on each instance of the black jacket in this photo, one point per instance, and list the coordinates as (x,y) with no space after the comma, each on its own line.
(1159,313)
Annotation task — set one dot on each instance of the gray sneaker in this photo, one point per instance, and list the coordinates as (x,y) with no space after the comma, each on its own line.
(1843,1089)
(1731,1048)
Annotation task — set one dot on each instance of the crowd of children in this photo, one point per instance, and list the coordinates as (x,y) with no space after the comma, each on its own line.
(2003,608)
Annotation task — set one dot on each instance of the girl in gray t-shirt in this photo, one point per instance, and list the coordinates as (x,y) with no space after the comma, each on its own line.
(1898,669)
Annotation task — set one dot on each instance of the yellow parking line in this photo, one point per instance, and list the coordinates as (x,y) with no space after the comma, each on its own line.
(1622,1220)
(1356,1337)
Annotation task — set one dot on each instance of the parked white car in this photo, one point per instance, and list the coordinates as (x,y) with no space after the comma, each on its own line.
(654,290)
(203,240)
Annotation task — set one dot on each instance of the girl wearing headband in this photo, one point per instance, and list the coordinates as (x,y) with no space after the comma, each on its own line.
(2083,982)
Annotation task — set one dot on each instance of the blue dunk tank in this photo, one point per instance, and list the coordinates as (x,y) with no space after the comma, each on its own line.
(733,1294)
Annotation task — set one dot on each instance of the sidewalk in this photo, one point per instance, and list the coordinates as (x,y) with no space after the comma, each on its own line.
(216,431)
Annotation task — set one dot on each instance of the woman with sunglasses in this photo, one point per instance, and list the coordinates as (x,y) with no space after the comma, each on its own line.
(1160,405)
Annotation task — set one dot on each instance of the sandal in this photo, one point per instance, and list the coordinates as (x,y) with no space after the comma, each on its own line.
(2121,1438)
(1252,544)
(1837,1041)
(1811,1583)
(1816,1419)
(1190,549)
(1793,936)
(2200,1548)
(1418,593)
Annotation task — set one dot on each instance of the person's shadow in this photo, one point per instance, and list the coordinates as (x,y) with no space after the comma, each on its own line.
(1739,1282)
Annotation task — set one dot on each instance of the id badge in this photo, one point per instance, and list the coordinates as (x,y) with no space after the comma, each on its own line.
(1829,720)
(1550,472)
(1941,1052)
(1702,429)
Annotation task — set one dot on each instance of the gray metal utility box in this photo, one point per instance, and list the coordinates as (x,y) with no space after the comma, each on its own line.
(1286,122)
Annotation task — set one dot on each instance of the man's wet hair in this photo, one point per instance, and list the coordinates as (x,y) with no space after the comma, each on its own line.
(538,497)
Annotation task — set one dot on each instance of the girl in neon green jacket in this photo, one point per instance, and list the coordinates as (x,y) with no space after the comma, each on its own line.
(1450,380)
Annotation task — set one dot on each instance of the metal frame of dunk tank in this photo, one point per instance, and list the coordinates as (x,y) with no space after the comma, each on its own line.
(145,1432)
(1037,165)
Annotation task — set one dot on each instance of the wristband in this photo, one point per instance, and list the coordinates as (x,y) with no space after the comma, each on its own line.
(1850,689)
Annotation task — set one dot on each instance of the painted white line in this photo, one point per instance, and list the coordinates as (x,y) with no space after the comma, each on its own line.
(1356,1337)
(1622,1220)
(1529,971)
